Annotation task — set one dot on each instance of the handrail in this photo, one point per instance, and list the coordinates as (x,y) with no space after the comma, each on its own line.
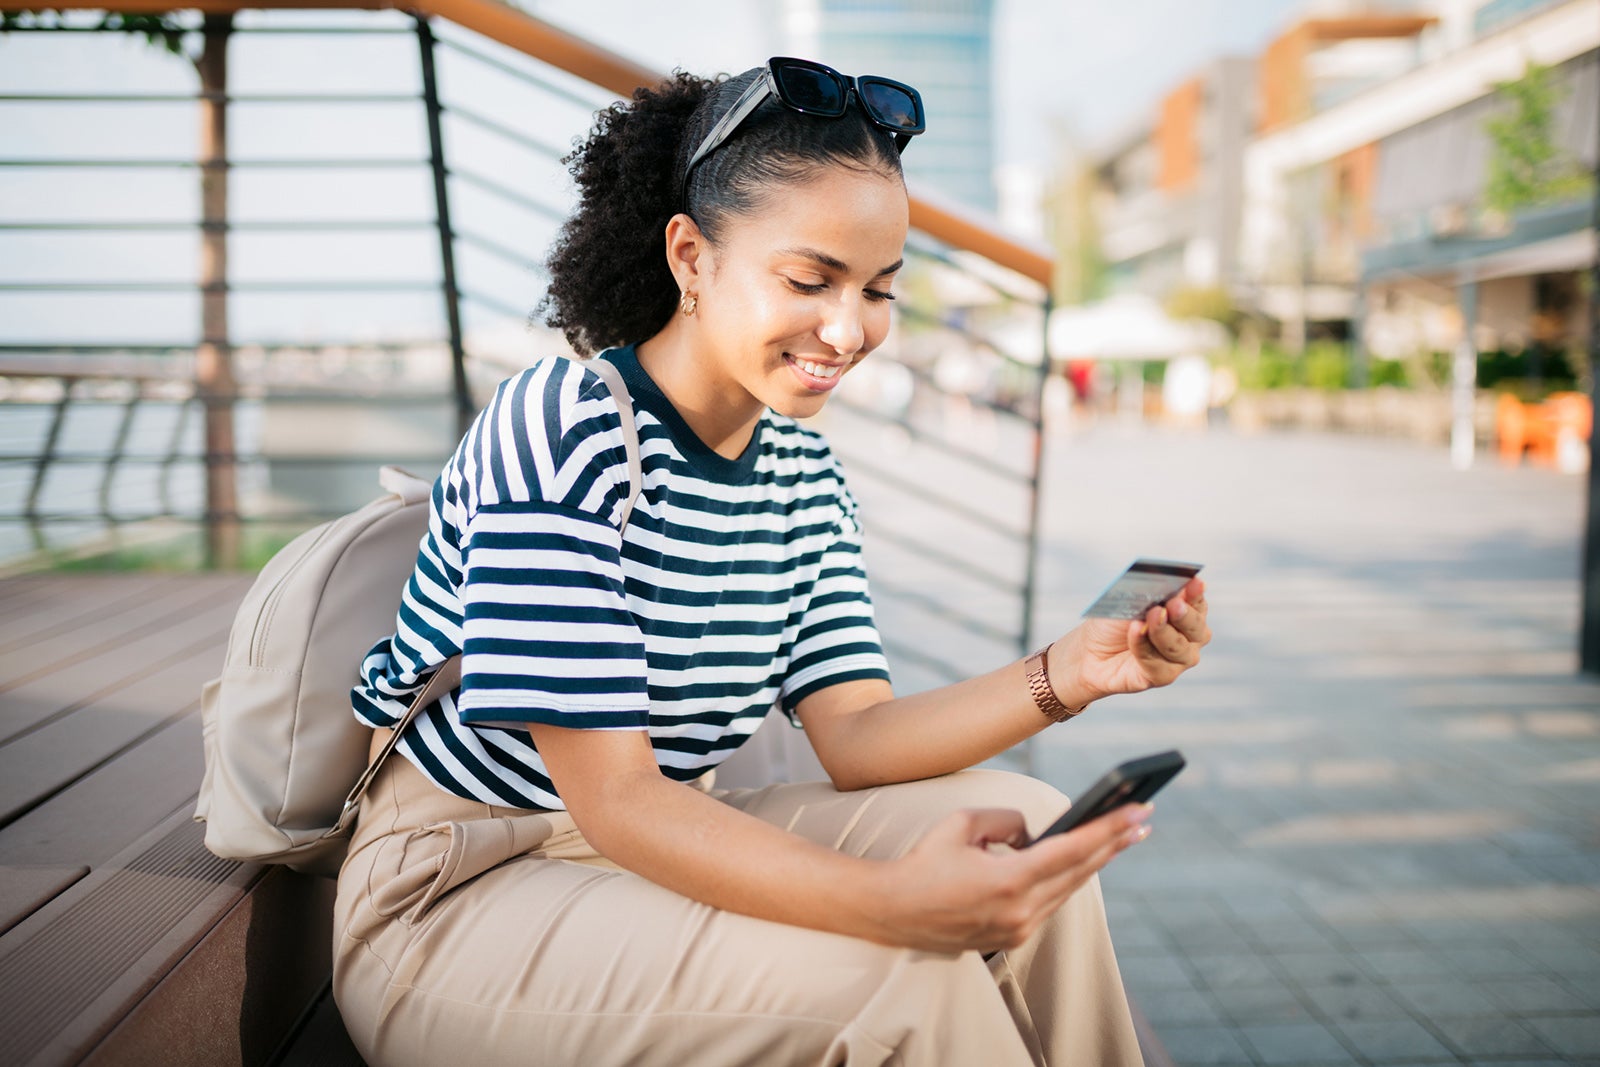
(956,226)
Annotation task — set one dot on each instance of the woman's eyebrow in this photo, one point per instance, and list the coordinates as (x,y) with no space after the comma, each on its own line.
(834,263)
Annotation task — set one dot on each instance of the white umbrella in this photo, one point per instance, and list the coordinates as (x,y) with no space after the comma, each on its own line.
(1128,327)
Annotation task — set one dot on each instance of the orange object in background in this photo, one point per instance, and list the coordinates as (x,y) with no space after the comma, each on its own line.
(1549,432)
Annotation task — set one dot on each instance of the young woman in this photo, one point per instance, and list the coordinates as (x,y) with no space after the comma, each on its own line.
(548,876)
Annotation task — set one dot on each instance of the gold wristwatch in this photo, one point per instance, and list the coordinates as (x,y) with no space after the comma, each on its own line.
(1043,694)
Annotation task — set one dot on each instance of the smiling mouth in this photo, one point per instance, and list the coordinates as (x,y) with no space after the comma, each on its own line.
(817,370)
(815,376)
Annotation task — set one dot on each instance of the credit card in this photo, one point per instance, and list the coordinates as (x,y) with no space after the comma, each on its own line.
(1146,583)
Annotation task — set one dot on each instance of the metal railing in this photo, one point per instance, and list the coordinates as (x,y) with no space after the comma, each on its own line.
(110,431)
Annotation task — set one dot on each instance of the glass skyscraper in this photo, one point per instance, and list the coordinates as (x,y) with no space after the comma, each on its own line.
(943,48)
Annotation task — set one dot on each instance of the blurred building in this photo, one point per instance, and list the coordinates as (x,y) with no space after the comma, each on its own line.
(1168,191)
(944,49)
(1340,185)
(1369,207)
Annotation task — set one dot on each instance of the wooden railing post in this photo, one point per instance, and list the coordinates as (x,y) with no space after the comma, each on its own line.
(214,378)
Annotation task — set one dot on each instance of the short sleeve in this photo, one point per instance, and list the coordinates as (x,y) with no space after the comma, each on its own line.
(838,639)
(547,634)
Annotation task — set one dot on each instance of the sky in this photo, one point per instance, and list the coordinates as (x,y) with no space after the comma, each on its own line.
(1086,67)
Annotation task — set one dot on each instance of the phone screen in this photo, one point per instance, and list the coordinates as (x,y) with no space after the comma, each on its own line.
(1133,782)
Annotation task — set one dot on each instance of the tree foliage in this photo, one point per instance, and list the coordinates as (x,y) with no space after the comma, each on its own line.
(164,31)
(1212,302)
(1528,166)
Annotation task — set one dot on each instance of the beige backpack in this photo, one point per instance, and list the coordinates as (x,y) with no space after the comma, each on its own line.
(286,758)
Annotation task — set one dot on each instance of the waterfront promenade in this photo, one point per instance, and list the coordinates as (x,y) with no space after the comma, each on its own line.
(1386,848)
(1385,851)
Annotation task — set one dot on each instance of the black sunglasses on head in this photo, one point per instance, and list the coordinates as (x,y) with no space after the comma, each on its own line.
(817,89)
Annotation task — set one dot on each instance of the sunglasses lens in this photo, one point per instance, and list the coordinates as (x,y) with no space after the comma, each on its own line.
(810,90)
(891,105)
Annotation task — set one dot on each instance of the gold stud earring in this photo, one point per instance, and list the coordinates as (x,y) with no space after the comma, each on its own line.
(688,302)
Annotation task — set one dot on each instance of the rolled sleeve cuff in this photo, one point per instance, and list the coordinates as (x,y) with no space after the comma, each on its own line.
(835,671)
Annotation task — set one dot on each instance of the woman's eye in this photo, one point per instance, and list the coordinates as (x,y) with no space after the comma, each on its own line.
(806,288)
(877,294)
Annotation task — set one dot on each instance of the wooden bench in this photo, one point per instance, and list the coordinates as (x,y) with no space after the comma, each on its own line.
(122,940)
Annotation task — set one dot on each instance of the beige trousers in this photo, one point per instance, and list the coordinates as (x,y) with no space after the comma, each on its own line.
(471,934)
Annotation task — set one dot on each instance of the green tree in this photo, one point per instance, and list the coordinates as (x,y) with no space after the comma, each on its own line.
(1527,164)
(1212,302)
(163,31)
(1073,230)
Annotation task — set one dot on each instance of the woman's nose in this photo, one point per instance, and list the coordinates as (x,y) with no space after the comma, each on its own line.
(841,329)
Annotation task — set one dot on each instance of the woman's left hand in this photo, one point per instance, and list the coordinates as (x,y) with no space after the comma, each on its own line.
(1116,656)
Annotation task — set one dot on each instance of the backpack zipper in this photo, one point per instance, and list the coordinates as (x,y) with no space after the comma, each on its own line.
(269,607)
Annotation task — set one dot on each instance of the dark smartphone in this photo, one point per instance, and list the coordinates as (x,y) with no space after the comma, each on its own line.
(1133,782)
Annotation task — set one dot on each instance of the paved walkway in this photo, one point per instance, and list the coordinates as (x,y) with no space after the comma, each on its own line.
(1386,849)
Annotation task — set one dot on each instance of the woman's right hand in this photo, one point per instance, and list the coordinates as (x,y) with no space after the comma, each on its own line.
(954,893)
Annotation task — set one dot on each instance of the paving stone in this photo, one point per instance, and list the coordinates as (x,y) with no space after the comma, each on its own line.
(1296,1043)
(1447,1000)
(1458,932)
(1356,1003)
(1166,1007)
(1219,970)
(1143,973)
(1492,1037)
(1472,961)
(1321,968)
(1387,681)
(1392,1039)
(1570,1035)
(1254,907)
(1208,937)
(1405,963)
(1532,995)
(1578,963)
(1250,1004)
(1133,935)
(1204,1046)
(1375,933)
(1288,935)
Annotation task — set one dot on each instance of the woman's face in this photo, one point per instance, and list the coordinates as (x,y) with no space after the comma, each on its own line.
(798,292)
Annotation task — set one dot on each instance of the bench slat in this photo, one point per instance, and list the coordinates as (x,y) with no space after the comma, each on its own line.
(95,818)
(24,890)
(41,763)
(72,970)
(34,608)
(234,998)
(98,626)
(105,671)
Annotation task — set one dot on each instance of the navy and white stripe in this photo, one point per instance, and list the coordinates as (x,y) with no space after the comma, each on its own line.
(737,584)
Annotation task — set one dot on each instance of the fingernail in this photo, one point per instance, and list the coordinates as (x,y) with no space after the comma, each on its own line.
(1139,835)
(1161,616)
(1138,813)
(1179,609)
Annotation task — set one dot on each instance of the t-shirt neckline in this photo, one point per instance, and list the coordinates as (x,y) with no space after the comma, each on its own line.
(707,461)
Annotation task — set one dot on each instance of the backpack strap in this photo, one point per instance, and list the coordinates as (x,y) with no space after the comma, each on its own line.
(630,434)
(448,674)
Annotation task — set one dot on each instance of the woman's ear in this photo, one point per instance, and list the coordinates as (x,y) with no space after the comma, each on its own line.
(688,252)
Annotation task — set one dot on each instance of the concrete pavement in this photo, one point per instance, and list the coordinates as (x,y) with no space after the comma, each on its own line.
(1386,848)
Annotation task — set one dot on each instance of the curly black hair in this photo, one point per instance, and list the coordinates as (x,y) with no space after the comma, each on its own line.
(609,279)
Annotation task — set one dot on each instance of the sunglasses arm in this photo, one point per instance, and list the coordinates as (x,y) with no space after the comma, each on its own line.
(748,101)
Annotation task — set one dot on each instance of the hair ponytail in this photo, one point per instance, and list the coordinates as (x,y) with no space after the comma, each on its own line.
(609,281)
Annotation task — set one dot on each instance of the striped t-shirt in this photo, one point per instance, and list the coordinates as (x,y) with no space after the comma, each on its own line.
(736,585)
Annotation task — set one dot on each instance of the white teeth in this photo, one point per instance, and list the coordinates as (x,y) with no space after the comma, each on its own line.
(816,370)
